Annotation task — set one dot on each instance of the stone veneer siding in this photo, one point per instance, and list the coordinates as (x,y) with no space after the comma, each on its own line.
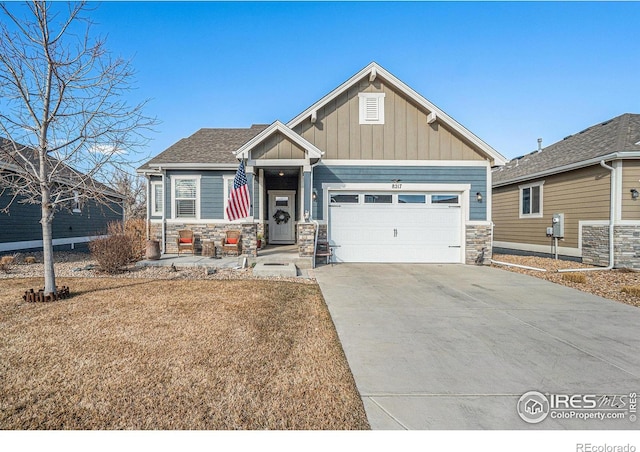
(595,245)
(213,232)
(627,246)
(626,242)
(306,237)
(478,244)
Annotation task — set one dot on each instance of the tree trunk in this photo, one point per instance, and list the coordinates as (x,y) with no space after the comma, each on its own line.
(47,245)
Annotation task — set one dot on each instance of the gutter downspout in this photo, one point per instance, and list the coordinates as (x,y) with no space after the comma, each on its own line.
(612,216)
(148,209)
(508,264)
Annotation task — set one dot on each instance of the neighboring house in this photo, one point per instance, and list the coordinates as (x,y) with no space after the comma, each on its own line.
(590,178)
(20,227)
(388,176)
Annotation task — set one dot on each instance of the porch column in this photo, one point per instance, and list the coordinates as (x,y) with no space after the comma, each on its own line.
(306,191)
(250,183)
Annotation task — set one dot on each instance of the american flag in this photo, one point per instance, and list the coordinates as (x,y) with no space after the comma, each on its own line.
(239,197)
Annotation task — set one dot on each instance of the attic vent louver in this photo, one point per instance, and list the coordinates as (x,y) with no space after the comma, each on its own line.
(371,108)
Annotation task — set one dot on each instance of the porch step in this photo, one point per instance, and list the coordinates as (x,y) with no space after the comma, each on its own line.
(275,269)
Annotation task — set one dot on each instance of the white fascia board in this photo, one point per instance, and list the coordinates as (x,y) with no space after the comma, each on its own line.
(498,158)
(278,163)
(570,167)
(277,126)
(335,162)
(194,166)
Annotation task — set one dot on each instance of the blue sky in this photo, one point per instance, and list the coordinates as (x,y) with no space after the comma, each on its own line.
(509,72)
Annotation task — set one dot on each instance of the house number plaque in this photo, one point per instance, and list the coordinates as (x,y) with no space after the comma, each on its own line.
(396,186)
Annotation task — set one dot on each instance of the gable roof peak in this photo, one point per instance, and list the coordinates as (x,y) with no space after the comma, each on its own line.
(374,70)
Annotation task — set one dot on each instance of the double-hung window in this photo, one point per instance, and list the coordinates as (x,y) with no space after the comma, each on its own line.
(531,200)
(185,197)
(157,198)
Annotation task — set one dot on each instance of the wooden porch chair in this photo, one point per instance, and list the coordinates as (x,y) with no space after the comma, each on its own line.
(186,241)
(231,242)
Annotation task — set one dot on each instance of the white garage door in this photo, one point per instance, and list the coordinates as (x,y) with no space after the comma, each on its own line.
(386,227)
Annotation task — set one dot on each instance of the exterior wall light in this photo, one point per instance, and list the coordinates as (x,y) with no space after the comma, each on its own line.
(479,197)
(634,193)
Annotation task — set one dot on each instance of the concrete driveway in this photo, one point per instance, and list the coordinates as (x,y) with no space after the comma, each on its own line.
(455,347)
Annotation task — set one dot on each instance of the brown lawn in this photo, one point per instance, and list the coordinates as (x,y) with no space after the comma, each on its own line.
(149,354)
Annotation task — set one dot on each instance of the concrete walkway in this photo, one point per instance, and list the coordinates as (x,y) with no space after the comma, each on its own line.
(455,347)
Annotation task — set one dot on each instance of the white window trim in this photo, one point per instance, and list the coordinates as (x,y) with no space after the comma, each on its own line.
(76,202)
(173,196)
(362,103)
(154,207)
(530,215)
(227,184)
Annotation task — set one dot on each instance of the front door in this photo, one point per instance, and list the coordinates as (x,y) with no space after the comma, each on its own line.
(282,211)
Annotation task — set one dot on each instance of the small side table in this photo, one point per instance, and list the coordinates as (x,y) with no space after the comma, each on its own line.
(208,248)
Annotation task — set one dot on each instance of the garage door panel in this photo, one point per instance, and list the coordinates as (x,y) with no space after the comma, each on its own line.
(396,233)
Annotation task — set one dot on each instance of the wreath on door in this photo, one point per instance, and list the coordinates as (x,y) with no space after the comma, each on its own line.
(281,216)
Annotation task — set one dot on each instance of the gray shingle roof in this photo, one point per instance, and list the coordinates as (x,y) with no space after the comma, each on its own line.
(620,134)
(13,154)
(207,146)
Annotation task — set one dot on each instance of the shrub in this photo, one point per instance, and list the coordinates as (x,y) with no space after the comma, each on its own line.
(30,260)
(632,290)
(575,277)
(113,252)
(5,263)
(135,230)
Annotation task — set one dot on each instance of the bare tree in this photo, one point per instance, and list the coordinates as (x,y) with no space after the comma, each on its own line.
(134,191)
(63,111)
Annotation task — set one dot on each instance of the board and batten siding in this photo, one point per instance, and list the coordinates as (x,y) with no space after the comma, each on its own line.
(474,175)
(630,180)
(582,195)
(405,134)
(277,146)
(22,223)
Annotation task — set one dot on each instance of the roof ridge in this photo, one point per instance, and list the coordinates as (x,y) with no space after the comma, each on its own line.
(623,132)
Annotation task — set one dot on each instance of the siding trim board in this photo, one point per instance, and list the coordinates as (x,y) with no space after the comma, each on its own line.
(546,249)
(29,244)
(421,163)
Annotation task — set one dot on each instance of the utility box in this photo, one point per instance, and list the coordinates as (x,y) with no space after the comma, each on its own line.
(557,224)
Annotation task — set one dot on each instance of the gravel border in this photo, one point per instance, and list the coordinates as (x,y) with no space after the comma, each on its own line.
(81,265)
(604,283)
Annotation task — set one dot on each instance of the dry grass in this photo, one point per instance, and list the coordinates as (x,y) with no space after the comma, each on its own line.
(631,290)
(145,354)
(579,278)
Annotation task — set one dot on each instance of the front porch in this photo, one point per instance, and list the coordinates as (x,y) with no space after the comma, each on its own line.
(271,254)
